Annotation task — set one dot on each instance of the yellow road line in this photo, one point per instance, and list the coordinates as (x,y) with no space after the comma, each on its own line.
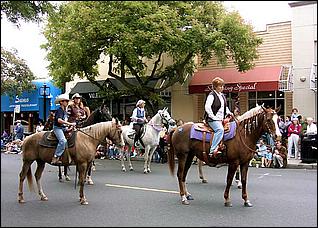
(140,188)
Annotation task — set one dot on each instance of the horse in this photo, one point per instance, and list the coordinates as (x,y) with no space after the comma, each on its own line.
(100,114)
(150,137)
(239,150)
(81,154)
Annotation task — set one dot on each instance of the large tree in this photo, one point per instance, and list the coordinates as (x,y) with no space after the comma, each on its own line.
(16,76)
(28,11)
(131,32)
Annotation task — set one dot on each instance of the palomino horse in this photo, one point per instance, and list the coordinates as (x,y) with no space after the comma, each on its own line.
(239,149)
(82,154)
(150,138)
(100,114)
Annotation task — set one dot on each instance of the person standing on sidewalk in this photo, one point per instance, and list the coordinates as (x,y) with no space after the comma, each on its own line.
(294,131)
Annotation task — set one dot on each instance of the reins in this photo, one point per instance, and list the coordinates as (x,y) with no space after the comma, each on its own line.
(101,141)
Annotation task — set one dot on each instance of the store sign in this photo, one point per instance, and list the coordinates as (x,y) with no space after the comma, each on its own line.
(240,87)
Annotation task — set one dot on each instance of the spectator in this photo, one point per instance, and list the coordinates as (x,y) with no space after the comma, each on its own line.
(269,158)
(39,127)
(311,128)
(4,134)
(262,151)
(303,125)
(84,106)
(294,113)
(14,147)
(19,130)
(294,130)
(180,122)
(280,155)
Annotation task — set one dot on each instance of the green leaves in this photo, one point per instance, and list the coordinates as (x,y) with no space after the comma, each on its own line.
(148,40)
(16,76)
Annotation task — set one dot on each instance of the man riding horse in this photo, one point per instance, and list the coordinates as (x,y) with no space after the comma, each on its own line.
(59,127)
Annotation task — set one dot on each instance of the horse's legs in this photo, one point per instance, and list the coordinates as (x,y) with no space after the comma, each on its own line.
(89,174)
(185,172)
(38,174)
(201,176)
(150,154)
(180,175)
(67,177)
(26,167)
(230,174)
(122,162)
(128,159)
(244,169)
(237,179)
(82,170)
(147,150)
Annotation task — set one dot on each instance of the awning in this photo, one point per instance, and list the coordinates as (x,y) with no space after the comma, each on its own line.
(257,79)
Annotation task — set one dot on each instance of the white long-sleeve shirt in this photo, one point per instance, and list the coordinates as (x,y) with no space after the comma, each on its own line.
(208,107)
(311,129)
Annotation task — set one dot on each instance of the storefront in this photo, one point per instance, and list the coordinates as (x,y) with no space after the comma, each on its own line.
(30,107)
(260,85)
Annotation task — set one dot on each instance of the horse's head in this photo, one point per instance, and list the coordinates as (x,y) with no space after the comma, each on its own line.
(115,134)
(166,118)
(271,121)
(104,113)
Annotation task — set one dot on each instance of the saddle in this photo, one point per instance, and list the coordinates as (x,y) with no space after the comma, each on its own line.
(49,139)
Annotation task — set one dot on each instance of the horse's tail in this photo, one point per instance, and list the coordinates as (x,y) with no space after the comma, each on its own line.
(30,180)
(171,161)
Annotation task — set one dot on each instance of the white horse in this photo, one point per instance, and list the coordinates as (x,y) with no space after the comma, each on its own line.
(150,137)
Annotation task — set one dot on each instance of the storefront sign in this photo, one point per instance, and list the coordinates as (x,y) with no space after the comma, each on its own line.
(240,87)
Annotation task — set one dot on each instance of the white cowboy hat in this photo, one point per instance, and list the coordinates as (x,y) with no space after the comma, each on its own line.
(61,97)
(18,121)
(76,95)
(140,102)
(295,118)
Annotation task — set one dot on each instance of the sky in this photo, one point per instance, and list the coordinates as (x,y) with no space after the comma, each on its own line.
(28,38)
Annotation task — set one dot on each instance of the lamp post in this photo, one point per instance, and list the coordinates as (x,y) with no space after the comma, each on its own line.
(44,91)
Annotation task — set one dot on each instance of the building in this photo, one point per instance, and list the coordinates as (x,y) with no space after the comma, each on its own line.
(30,106)
(304,56)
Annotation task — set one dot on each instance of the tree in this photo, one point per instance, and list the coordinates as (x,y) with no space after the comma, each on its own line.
(16,76)
(28,11)
(132,32)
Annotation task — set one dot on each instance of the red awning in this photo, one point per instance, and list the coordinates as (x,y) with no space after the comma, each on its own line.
(257,79)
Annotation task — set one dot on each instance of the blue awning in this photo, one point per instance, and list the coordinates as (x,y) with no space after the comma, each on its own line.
(32,101)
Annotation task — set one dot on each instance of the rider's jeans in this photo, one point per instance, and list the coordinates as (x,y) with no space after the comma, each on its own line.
(217,126)
(62,141)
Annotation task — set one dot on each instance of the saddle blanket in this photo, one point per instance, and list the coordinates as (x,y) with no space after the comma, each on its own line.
(196,134)
(53,143)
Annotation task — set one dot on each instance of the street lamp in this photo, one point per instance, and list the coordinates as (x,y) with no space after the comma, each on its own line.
(44,91)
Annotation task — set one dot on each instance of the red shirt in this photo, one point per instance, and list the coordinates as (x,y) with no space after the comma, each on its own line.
(294,129)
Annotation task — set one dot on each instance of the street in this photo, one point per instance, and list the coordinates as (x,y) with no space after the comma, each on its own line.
(281,197)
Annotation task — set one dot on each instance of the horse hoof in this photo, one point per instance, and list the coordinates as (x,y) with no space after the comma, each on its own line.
(67,178)
(84,202)
(123,169)
(248,204)
(228,204)
(131,169)
(189,197)
(239,186)
(61,180)
(204,181)
(145,172)
(21,201)
(44,198)
(185,202)
(90,182)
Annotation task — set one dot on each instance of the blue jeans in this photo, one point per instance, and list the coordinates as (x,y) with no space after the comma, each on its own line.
(59,133)
(218,133)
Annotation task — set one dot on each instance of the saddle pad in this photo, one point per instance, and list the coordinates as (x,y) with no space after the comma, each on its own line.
(196,134)
(53,143)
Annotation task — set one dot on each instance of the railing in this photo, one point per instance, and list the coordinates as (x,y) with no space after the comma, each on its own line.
(313,77)
(286,78)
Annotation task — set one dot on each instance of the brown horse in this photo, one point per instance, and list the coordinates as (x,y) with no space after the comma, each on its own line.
(239,150)
(81,154)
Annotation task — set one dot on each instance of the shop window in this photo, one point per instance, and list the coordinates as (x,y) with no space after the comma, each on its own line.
(271,99)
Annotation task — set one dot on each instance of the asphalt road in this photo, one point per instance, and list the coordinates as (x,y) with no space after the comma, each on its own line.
(281,197)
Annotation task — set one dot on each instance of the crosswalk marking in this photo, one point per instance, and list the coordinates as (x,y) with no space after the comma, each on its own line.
(140,188)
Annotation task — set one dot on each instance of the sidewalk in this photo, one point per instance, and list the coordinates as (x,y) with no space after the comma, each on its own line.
(297,164)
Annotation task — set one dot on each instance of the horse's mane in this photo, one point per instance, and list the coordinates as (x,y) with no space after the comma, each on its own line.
(96,129)
(250,113)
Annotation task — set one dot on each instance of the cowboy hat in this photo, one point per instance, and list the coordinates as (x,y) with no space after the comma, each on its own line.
(295,118)
(140,102)
(61,97)
(76,95)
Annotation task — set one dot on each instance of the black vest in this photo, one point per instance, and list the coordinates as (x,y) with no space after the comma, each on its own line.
(216,105)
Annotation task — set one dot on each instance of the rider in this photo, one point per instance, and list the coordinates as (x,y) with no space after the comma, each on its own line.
(75,111)
(138,119)
(215,111)
(59,126)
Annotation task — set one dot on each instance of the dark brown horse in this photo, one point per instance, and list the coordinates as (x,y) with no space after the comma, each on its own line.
(239,150)
(82,154)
